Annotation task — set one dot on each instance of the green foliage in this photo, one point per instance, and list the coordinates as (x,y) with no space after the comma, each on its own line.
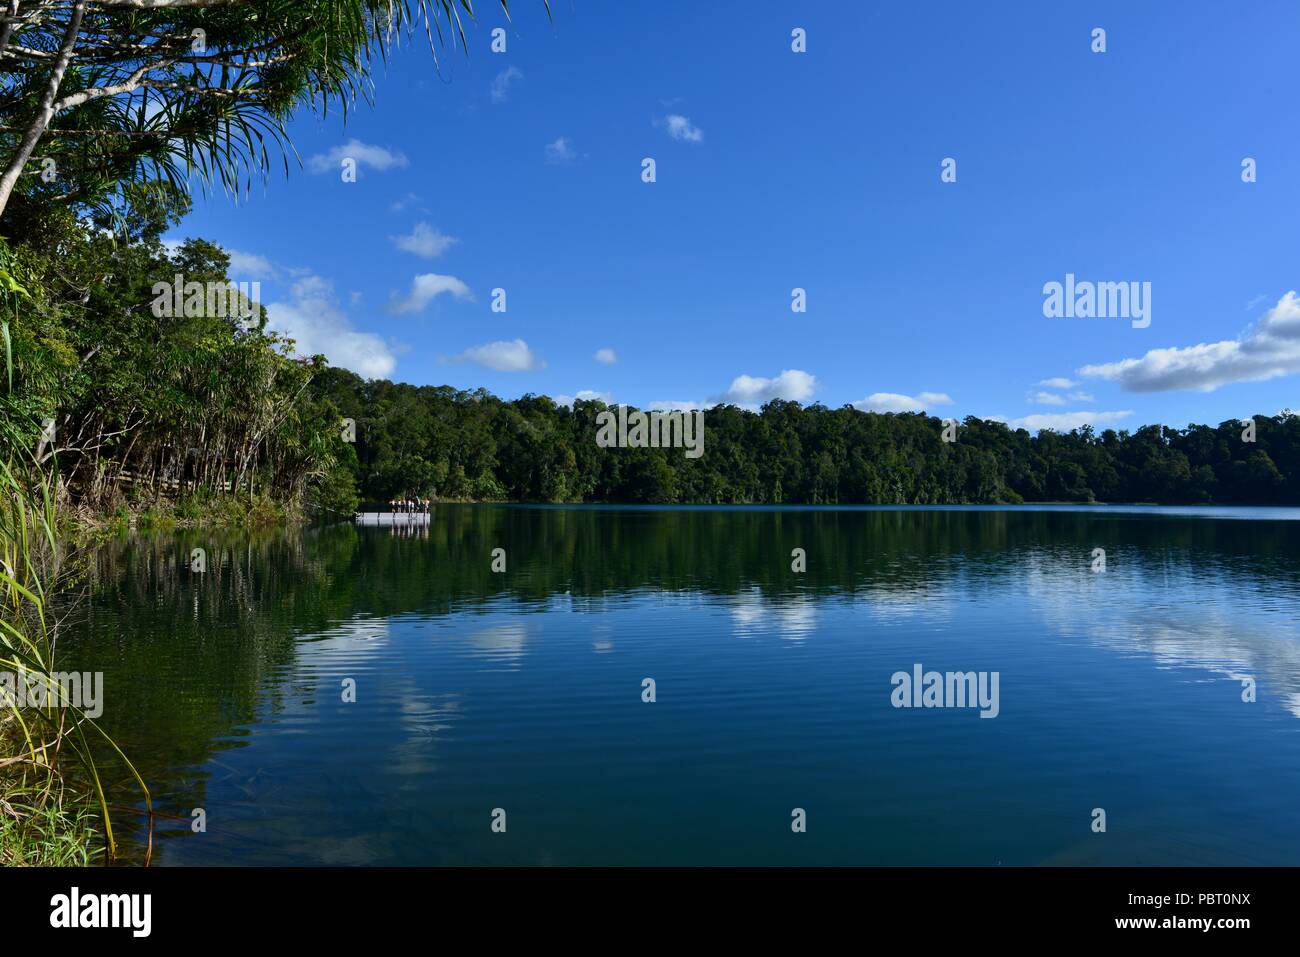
(51,834)
(208,418)
(155,411)
(162,92)
(452,445)
(336,494)
(45,808)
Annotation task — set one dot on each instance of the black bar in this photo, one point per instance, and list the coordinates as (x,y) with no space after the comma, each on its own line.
(200,907)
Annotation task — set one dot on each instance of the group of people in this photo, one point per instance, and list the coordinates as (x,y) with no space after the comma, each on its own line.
(410,506)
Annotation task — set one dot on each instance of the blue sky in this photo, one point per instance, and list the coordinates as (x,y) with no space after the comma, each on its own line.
(819,170)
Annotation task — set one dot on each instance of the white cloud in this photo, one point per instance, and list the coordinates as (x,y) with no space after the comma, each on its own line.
(424,240)
(1269,349)
(607,356)
(250,266)
(1058,383)
(894,402)
(1064,421)
(374,157)
(406,202)
(1046,398)
(793,384)
(586,395)
(312,317)
(500,89)
(680,128)
(514,356)
(561,151)
(1081,397)
(423,290)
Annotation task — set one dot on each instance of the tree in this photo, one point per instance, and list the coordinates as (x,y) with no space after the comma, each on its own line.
(119,90)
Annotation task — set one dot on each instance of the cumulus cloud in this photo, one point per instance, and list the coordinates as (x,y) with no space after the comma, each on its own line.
(894,402)
(424,240)
(513,356)
(500,89)
(1268,349)
(792,384)
(250,266)
(374,157)
(424,288)
(560,151)
(311,316)
(1057,383)
(1064,421)
(681,128)
(607,356)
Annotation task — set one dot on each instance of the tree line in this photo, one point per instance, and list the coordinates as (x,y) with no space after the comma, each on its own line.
(470,445)
(140,408)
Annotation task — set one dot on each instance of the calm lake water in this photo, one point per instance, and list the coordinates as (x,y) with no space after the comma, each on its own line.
(1120,690)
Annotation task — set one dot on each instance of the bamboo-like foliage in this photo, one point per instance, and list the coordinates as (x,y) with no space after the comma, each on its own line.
(153,411)
(40,742)
(112,91)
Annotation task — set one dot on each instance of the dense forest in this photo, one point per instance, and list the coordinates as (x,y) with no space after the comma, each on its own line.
(144,411)
(140,410)
(451,444)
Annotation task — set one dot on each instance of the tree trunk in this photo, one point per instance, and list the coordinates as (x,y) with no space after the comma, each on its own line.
(46,111)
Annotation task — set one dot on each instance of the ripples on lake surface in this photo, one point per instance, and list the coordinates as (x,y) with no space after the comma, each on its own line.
(522,690)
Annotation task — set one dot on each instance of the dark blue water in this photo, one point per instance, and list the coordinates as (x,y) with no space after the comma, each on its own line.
(1120,690)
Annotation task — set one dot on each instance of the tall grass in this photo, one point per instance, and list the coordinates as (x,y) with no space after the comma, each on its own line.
(51,791)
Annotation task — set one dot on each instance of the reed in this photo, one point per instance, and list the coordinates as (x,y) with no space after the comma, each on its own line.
(53,805)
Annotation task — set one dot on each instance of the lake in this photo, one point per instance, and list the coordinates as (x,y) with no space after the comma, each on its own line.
(1162,691)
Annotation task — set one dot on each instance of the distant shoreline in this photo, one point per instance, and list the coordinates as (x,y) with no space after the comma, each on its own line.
(850,507)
